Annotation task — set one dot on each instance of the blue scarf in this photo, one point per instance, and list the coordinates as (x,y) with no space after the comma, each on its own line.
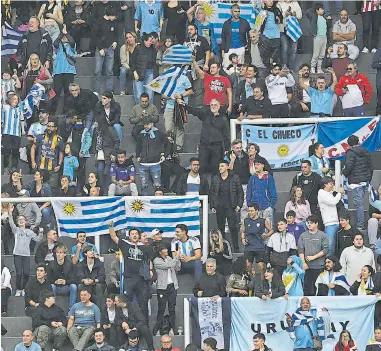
(151,132)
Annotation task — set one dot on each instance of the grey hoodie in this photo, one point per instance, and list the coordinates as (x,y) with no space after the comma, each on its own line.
(311,244)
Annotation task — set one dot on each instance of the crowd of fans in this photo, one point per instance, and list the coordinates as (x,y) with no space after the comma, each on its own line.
(251,74)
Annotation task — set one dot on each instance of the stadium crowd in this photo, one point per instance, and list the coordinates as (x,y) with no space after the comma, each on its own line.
(315,250)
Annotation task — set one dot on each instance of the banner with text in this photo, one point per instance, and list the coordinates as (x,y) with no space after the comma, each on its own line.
(283,147)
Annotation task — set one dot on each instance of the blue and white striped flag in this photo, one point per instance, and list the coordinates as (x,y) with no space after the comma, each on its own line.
(91,216)
(148,213)
(166,83)
(10,38)
(345,187)
(178,55)
(293,28)
(32,100)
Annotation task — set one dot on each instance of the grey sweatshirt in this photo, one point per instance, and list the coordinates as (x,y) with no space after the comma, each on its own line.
(32,213)
(311,244)
(22,239)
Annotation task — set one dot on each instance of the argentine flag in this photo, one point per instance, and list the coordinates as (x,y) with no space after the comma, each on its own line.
(148,213)
(90,216)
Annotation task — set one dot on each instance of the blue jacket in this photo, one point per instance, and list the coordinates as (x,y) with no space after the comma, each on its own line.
(303,335)
(86,143)
(61,63)
(262,191)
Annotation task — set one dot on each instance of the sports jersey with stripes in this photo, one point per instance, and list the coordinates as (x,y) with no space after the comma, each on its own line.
(11,118)
(6,85)
(36,129)
(188,247)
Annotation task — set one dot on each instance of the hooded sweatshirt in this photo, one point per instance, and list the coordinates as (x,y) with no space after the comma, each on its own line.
(262,191)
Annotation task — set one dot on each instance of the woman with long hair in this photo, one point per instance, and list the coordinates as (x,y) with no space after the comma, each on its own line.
(299,205)
(364,284)
(168,42)
(293,277)
(320,163)
(253,152)
(221,251)
(50,17)
(93,182)
(345,342)
(125,52)
(242,280)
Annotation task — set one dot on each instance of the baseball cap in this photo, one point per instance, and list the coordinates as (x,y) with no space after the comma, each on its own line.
(211,342)
(156,231)
(133,334)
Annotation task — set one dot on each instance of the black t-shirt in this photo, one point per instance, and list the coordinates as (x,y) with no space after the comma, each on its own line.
(133,256)
(199,47)
(372,210)
(34,41)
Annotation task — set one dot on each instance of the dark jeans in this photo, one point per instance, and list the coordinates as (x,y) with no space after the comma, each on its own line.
(61,82)
(95,290)
(165,297)
(224,213)
(279,111)
(297,111)
(112,289)
(210,156)
(22,266)
(81,173)
(114,336)
(78,31)
(309,281)
(5,293)
(371,19)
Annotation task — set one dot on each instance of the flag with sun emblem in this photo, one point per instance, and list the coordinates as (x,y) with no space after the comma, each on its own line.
(91,216)
(164,213)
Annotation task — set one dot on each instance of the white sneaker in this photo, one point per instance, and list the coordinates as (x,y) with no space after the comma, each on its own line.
(313,70)
(22,292)
(18,293)
(374,50)
(365,50)
(320,71)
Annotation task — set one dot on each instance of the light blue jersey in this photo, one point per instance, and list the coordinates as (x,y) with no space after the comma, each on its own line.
(11,118)
(149,15)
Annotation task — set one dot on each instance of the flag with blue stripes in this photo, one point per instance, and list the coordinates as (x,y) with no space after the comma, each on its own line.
(374,199)
(177,55)
(166,83)
(10,38)
(345,198)
(293,28)
(164,213)
(91,216)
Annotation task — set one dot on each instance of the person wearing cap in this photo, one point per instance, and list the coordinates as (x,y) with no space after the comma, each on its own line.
(30,211)
(100,343)
(259,340)
(157,239)
(209,344)
(261,189)
(133,343)
(151,149)
(328,199)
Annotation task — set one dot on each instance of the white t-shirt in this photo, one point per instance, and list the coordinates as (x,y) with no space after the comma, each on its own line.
(353,97)
(193,185)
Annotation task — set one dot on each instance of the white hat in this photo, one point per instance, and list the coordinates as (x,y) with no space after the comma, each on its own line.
(156,231)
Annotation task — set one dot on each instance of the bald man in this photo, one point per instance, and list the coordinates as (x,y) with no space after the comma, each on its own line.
(27,343)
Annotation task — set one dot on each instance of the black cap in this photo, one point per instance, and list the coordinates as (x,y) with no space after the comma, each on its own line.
(43,110)
(133,334)
(211,342)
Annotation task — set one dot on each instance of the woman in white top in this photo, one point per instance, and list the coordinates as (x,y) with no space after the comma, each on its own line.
(50,17)
(6,289)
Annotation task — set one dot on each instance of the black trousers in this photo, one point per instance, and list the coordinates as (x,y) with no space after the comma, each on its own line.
(371,19)
(5,293)
(297,111)
(112,289)
(224,213)
(279,111)
(114,336)
(169,168)
(210,156)
(165,297)
(22,265)
(78,31)
(61,82)
(309,281)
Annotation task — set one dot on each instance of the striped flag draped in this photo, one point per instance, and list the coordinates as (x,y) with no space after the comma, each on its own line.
(345,187)
(10,40)
(32,100)
(293,28)
(178,55)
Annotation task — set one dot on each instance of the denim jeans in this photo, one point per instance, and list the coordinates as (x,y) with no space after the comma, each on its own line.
(331,231)
(46,216)
(358,200)
(288,50)
(338,6)
(192,267)
(123,78)
(139,88)
(99,60)
(118,129)
(154,171)
(65,290)
(89,119)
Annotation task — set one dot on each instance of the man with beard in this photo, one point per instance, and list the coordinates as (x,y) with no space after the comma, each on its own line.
(331,282)
(338,60)
(256,106)
(301,105)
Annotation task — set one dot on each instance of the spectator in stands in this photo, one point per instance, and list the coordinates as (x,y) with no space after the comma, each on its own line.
(370,18)
(312,249)
(262,190)
(345,341)
(226,200)
(331,282)
(50,17)
(354,257)
(114,286)
(328,200)
(34,288)
(221,251)
(210,284)
(46,250)
(374,222)
(375,342)
(166,285)
(83,101)
(6,231)
(64,66)
(130,318)
(21,250)
(66,190)
(157,239)
(9,83)
(191,182)
(108,313)
(106,34)
(122,175)
(166,344)
(301,105)
(254,232)
(344,32)
(215,135)
(241,281)
(299,205)
(84,318)
(77,20)
(30,211)
(255,55)
(310,183)
(253,151)
(77,250)
(293,277)
(159,191)
(141,110)
(320,163)
(151,149)
(296,229)
(37,41)
(27,340)
(270,288)
(209,344)
(189,250)
(259,343)
(366,284)
(256,106)
(277,83)
(279,247)
(108,111)
(150,16)
(133,342)
(100,343)
(126,51)
(49,322)
(142,64)
(338,61)
(47,154)
(358,169)
(376,64)
(6,288)
(175,13)
(14,186)
(92,183)
(71,165)
(345,234)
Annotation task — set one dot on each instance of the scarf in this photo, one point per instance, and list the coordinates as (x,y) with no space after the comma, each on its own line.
(150,132)
(374,342)
(336,278)
(366,288)
(98,139)
(290,276)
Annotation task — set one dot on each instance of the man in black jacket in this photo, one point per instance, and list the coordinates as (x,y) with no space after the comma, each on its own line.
(108,311)
(226,200)
(129,317)
(192,182)
(46,251)
(358,169)
(92,275)
(62,275)
(49,322)
(215,135)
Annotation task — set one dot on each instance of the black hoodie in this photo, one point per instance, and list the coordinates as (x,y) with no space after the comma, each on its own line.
(46,315)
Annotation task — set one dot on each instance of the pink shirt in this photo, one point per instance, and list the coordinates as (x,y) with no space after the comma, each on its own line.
(302,211)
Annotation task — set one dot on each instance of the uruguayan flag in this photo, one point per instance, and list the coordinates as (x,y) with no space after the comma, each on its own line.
(32,100)
(166,83)
(91,216)
(293,28)
(148,213)
(10,40)
(177,55)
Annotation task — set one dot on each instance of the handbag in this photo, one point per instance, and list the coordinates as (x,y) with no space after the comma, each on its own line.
(317,344)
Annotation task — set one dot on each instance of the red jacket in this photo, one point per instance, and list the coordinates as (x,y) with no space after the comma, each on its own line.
(346,348)
(361,80)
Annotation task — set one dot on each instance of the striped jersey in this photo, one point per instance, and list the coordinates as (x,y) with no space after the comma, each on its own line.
(36,129)
(48,150)
(11,118)
(188,247)
(369,6)
(7,85)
